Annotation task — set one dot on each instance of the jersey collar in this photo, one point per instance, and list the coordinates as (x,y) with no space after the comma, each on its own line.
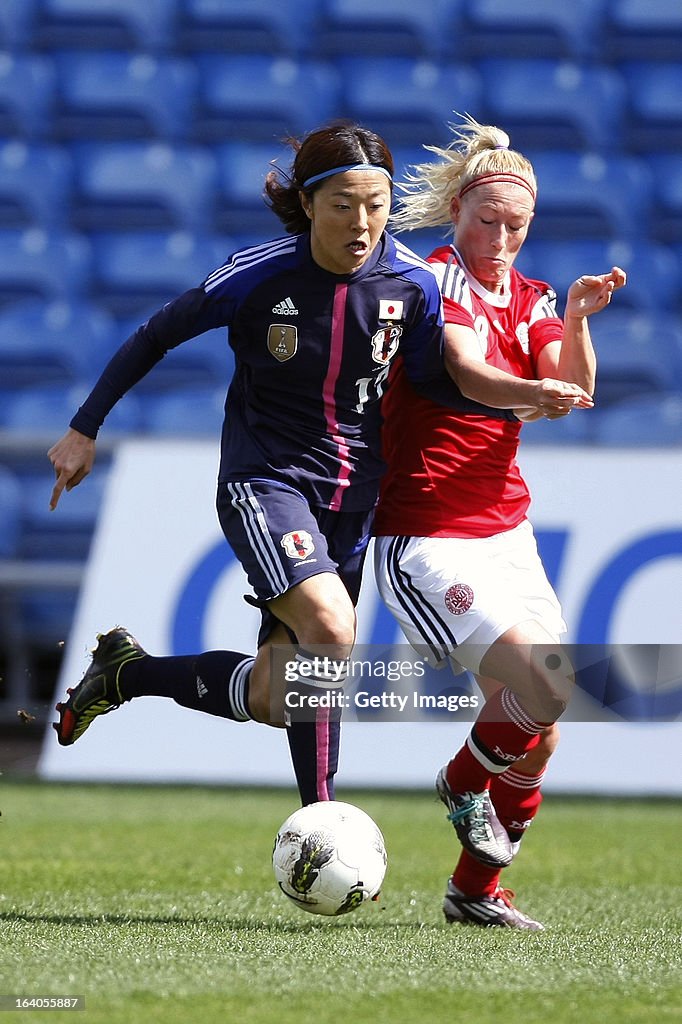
(499,299)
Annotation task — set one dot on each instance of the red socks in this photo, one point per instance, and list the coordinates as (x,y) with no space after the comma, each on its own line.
(501,734)
(516,799)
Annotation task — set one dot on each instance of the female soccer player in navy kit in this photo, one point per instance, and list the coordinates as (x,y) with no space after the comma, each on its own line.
(315,320)
(456,560)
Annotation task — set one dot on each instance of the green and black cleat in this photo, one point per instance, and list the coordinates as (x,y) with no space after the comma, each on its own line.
(98,691)
(477,826)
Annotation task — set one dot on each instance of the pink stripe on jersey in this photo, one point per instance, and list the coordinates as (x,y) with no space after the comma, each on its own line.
(322,744)
(328,389)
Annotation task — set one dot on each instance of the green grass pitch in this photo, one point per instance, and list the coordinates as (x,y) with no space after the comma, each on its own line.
(158,904)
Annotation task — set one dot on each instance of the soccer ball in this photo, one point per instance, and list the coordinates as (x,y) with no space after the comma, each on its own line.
(329,857)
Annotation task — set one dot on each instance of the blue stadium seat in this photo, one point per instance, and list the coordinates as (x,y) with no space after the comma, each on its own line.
(636,354)
(408,101)
(258,97)
(16,24)
(406,157)
(224,246)
(424,241)
(11,512)
(666,215)
(239,203)
(654,109)
(36,181)
(676,249)
(110,95)
(67,532)
(46,265)
(589,195)
(400,28)
(547,104)
(130,185)
(48,613)
(653,270)
(27,85)
(145,25)
(527,28)
(248,26)
(45,412)
(185,412)
(649,421)
(206,362)
(53,342)
(642,29)
(137,272)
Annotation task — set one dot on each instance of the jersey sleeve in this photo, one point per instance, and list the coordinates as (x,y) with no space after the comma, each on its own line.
(422,350)
(187,316)
(441,388)
(456,314)
(544,325)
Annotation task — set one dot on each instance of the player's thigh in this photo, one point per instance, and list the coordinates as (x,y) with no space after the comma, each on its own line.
(443,591)
(274,534)
(532,663)
(320,613)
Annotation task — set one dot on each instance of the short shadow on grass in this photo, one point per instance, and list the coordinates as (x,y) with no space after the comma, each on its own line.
(221,923)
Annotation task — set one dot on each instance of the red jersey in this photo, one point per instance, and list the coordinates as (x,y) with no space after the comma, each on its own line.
(452,469)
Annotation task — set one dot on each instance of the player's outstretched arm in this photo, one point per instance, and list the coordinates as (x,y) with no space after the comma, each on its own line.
(73,457)
(574,358)
(591,293)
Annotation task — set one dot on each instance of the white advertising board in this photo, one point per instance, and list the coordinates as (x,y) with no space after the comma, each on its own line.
(609,524)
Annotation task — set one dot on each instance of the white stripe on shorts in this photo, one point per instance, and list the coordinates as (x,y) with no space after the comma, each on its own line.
(256,527)
(431,627)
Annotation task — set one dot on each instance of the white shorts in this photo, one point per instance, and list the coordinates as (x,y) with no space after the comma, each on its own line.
(453,597)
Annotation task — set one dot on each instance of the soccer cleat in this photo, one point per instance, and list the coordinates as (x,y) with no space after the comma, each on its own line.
(476,824)
(98,691)
(489,911)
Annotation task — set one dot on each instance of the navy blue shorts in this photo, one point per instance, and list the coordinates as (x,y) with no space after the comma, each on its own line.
(281,540)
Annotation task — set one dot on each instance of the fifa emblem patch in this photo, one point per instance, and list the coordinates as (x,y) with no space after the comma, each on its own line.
(298,544)
(459,598)
(385,343)
(282,341)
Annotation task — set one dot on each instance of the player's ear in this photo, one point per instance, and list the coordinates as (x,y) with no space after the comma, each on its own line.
(307,204)
(455,209)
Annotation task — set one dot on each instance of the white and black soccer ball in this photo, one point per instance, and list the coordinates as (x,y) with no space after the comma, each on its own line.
(329,858)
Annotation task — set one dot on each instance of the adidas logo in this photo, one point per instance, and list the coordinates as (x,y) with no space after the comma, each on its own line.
(202,689)
(285,308)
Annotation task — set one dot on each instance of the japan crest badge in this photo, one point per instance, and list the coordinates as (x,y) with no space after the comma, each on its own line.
(385,343)
(298,544)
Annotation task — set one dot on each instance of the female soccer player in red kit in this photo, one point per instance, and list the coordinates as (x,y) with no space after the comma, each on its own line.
(456,559)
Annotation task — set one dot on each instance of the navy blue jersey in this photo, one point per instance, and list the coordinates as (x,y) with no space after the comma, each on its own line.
(312,356)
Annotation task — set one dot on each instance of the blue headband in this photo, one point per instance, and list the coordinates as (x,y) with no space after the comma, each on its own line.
(347,167)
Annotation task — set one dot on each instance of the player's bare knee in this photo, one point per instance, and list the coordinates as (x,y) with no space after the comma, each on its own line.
(331,631)
(552,683)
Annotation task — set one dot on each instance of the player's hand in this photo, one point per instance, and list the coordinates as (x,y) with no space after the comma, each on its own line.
(73,457)
(554,399)
(591,293)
